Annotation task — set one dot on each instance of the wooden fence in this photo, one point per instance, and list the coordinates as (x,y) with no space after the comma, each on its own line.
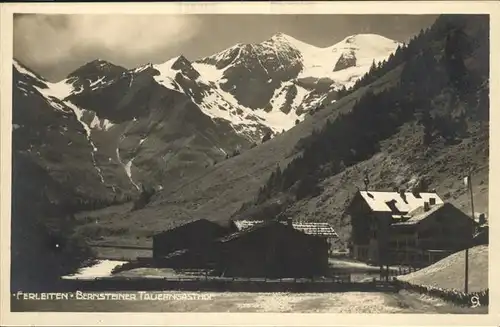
(403,270)
(455,296)
(231,284)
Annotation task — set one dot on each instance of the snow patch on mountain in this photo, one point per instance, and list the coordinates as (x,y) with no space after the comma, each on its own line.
(219,104)
(366,48)
(25,71)
(209,72)
(299,98)
(279,96)
(100,124)
(216,103)
(52,93)
(278,121)
(52,101)
(60,90)
(142,68)
(23,87)
(97,83)
(167,82)
(79,116)
(167,74)
(127,167)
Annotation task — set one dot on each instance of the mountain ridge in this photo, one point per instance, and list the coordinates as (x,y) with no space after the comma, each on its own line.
(118,111)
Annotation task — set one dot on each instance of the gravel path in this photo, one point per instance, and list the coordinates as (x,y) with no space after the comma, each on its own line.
(346,302)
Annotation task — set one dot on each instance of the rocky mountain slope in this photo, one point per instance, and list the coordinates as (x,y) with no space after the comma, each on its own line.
(400,127)
(111,130)
(105,131)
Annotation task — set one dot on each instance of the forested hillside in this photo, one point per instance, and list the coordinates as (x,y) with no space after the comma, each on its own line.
(439,103)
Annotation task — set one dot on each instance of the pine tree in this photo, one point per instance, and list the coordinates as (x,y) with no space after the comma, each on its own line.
(372,68)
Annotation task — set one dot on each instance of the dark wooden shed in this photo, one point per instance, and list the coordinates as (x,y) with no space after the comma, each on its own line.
(271,249)
(192,235)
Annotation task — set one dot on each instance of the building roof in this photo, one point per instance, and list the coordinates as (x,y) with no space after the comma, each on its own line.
(250,228)
(381,201)
(183,224)
(420,214)
(309,228)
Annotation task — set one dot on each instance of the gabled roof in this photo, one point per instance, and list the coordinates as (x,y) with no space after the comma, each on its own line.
(420,214)
(309,228)
(382,201)
(257,225)
(315,228)
(183,224)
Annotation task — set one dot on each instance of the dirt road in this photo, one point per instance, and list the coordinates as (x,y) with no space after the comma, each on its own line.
(347,302)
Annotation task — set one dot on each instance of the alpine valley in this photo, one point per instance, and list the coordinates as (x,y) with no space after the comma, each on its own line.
(110,156)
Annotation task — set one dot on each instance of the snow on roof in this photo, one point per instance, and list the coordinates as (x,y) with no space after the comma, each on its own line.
(315,228)
(420,214)
(378,201)
(244,224)
(254,225)
(310,228)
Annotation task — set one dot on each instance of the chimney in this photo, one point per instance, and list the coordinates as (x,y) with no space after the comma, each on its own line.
(432,201)
(426,206)
(482,219)
(403,195)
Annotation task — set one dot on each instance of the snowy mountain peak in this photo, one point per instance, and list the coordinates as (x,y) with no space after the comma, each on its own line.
(21,68)
(180,62)
(367,41)
(143,68)
(175,63)
(282,39)
(100,63)
(97,66)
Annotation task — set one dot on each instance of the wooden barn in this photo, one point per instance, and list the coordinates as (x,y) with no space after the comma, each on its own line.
(406,228)
(194,234)
(271,249)
(319,229)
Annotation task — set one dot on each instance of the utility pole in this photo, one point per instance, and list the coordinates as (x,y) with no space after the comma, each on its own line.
(469,184)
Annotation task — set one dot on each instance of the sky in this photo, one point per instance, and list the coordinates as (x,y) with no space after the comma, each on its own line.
(55,45)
